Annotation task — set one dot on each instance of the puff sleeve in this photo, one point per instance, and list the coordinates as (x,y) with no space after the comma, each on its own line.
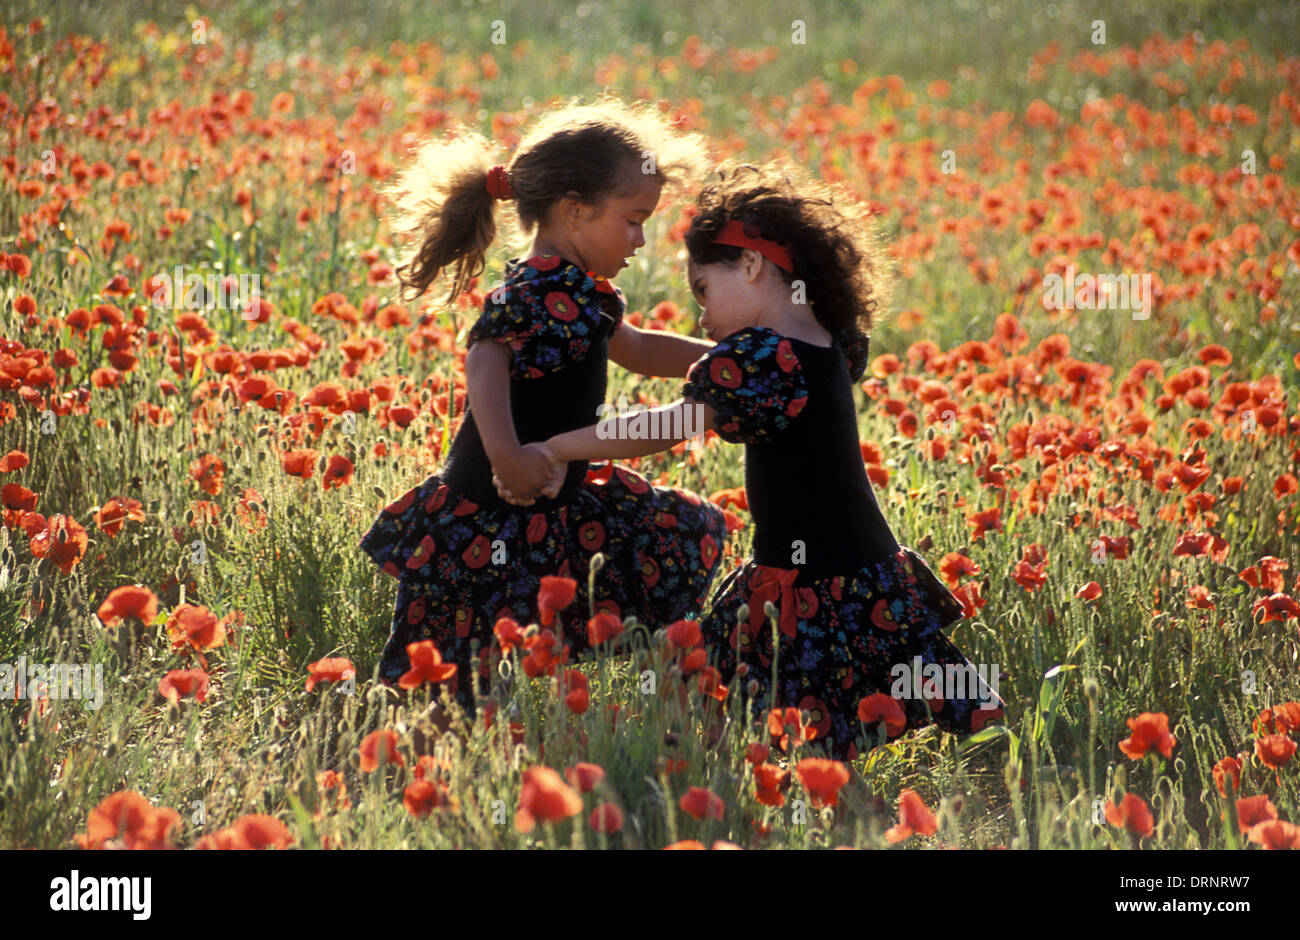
(550,319)
(755,383)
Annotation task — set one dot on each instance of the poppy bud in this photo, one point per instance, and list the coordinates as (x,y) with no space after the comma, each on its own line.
(742,612)
(751,688)
(1090,690)
(742,670)
(597,561)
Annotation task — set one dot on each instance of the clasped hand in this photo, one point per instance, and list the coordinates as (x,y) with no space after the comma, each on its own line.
(537,470)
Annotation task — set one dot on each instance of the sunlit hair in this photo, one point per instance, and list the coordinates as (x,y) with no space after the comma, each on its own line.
(587,151)
(832,238)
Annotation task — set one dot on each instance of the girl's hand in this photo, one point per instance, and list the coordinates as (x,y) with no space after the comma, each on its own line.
(536,470)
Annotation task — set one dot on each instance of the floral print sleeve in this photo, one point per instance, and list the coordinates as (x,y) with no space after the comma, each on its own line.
(550,313)
(754,381)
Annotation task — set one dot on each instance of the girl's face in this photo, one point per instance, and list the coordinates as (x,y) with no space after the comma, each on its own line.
(727,295)
(611,232)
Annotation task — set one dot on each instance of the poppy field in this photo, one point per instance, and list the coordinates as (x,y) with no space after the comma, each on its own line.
(209,387)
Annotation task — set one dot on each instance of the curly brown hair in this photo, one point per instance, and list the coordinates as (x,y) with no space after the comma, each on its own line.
(832,238)
(587,151)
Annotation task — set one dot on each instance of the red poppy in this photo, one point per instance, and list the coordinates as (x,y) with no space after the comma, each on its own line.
(881,707)
(195,627)
(602,628)
(338,472)
(1150,730)
(822,779)
(606,818)
(63,540)
(426,665)
(380,746)
(1228,767)
(329,670)
(769,780)
(1132,814)
(545,797)
(181,682)
(1275,834)
(914,818)
(585,776)
(699,802)
(1274,750)
(130,601)
(1253,810)
(554,595)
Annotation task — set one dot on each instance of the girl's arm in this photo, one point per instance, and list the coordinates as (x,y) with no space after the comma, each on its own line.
(612,439)
(655,352)
(487,383)
(656,429)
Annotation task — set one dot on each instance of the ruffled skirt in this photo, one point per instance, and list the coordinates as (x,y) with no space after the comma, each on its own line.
(844,638)
(462,566)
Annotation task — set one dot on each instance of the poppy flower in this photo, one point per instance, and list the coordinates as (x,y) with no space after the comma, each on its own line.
(426,665)
(329,670)
(757,753)
(914,818)
(545,797)
(128,816)
(769,781)
(299,463)
(1089,592)
(1274,750)
(699,802)
(606,818)
(380,745)
(585,776)
(577,693)
(180,682)
(116,512)
(822,779)
(509,634)
(1149,730)
(1132,814)
(954,566)
(1253,810)
(338,472)
(208,471)
(1275,607)
(602,628)
(881,707)
(128,602)
(259,831)
(685,844)
(685,634)
(63,541)
(554,595)
(1275,834)
(1229,768)
(195,627)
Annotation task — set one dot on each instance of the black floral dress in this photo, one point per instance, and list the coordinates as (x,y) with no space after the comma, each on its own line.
(465,558)
(858,613)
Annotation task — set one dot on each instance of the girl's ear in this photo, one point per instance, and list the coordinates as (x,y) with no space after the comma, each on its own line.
(571,210)
(751,263)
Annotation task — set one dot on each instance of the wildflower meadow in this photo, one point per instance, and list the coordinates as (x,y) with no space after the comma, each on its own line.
(1080,406)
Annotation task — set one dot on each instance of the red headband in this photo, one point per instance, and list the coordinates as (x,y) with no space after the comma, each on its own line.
(733,233)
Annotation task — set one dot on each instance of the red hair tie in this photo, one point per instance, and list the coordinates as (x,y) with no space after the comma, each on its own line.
(498,183)
(733,233)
